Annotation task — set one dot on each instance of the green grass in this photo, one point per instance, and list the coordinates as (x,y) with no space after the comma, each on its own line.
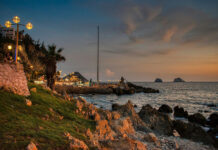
(20,124)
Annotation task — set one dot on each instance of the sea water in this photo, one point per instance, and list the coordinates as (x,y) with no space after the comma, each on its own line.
(192,96)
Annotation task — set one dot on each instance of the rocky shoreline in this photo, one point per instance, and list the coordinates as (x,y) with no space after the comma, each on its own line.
(129,88)
(123,128)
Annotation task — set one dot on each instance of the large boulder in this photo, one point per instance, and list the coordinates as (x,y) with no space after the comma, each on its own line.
(123,126)
(193,132)
(179,112)
(104,131)
(155,120)
(213,120)
(128,110)
(197,118)
(165,109)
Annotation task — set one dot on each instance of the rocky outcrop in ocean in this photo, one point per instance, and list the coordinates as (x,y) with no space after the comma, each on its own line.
(178,80)
(158,80)
(129,88)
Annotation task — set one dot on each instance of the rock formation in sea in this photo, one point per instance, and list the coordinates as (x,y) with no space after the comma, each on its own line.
(178,80)
(158,80)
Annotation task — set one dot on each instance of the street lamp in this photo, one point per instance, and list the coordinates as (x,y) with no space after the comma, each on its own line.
(16,21)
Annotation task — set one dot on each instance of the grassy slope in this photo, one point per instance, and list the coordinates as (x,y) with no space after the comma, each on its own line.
(20,124)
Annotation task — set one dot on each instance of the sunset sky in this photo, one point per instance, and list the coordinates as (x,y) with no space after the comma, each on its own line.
(139,39)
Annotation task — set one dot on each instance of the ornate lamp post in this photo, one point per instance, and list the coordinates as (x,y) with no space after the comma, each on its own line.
(16,21)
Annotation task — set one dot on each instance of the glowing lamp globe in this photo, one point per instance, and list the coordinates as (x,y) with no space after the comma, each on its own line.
(8,24)
(9,47)
(20,48)
(16,19)
(29,26)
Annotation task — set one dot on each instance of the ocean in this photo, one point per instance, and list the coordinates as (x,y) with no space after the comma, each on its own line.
(192,96)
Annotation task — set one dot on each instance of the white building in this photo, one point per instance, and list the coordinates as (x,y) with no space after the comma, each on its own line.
(7,32)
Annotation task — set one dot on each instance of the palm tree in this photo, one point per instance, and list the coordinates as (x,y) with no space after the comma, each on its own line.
(51,58)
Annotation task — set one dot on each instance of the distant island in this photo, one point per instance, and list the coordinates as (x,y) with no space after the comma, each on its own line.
(158,80)
(178,80)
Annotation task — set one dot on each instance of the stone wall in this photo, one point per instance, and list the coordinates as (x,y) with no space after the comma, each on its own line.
(12,77)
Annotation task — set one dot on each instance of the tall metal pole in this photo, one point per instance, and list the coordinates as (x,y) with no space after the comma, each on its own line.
(16,50)
(98,56)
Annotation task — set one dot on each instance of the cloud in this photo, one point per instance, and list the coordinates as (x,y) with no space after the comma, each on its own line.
(153,52)
(170,33)
(165,23)
(109,73)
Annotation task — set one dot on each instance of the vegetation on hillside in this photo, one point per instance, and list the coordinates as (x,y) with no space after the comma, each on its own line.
(44,123)
(36,58)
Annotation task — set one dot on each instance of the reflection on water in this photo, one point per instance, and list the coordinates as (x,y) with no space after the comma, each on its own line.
(193,96)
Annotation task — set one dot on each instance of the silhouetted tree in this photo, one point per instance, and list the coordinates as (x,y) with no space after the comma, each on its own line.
(51,58)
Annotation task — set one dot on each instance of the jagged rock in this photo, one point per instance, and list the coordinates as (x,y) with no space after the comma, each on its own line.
(123,144)
(151,137)
(66,96)
(122,126)
(31,146)
(89,133)
(103,130)
(165,109)
(179,112)
(77,144)
(67,134)
(175,133)
(213,120)
(176,145)
(33,90)
(197,118)
(158,80)
(93,139)
(178,80)
(91,109)
(82,99)
(155,120)
(97,117)
(28,102)
(79,105)
(106,114)
(115,115)
(128,110)
(61,117)
(193,132)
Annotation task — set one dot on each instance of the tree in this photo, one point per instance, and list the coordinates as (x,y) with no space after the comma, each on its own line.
(51,58)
